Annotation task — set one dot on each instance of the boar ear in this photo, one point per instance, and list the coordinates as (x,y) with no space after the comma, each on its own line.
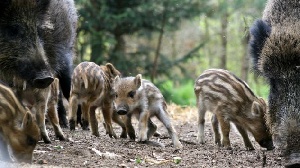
(117,79)
(112,70)
(259,32)
(27,120)
(262,101)
(256,109)
(138,80)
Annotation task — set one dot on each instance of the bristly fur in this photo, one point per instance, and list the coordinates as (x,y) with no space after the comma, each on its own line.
(259,32)
(92,88)
(280,56)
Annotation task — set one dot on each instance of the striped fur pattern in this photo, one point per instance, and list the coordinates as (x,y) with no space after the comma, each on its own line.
(20,138)
(135,96)
(44,102)
(230,100)
(92,88)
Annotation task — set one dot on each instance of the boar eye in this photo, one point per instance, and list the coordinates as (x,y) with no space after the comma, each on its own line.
(31,141)
(116,95)
(131,94)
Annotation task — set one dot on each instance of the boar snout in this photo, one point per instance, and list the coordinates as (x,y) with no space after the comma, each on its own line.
(122,112)
(267,143)
(42,81)
(122,109)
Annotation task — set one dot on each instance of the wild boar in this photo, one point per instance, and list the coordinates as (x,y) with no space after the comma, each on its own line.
(18,129)
(44,102)
(92,88)
(139,97)
(37,42)
(274,47)
(231,100)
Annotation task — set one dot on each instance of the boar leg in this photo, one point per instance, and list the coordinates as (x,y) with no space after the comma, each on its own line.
(62,112)
(107,115)
(215,126)
(73,111)
(117,119)
(85,109)
(246,139)
(201,121)
(40,117)
(164,118)
(79,113)
(143,123)
(93,121)
(129,127)
(225,128)
(151,129)
(53,117)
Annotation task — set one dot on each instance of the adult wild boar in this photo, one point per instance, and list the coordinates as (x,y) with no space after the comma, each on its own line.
(37,42)
(275,51)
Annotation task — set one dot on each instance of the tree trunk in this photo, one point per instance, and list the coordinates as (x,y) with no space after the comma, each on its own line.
(245,58)
(157,52)
(207,50)
(223,34)
(118,51)
(97,49)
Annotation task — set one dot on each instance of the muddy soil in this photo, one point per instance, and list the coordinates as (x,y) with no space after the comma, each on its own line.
(84,150)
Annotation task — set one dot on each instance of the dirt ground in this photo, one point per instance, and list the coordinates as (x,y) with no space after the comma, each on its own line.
(84,150)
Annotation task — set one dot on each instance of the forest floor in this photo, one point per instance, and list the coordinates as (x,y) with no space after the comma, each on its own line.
(84,150)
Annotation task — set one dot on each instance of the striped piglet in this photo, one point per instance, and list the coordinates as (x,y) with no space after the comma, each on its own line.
(231,100)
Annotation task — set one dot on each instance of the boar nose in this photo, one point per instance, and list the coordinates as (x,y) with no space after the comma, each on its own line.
(122,112)
(267,143)
(42,82)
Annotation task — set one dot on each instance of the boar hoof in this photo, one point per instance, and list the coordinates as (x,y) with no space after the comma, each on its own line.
(113,135)
(63,125)
(85,125)
(61,138)
(227,147)
(123,135)
(72,124)
(144,142)
(249,148)
(156,134)
(132,136)
(46,140)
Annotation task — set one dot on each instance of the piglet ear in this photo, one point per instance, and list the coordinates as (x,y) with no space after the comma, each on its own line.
(256,109)
(138,80)
(117,79)
(27,120)
(112,70)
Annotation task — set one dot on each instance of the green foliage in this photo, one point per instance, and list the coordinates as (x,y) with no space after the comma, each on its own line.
(105,23)
(182,94)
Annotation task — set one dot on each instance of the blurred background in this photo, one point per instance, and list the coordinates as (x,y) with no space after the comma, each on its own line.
(170,42)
